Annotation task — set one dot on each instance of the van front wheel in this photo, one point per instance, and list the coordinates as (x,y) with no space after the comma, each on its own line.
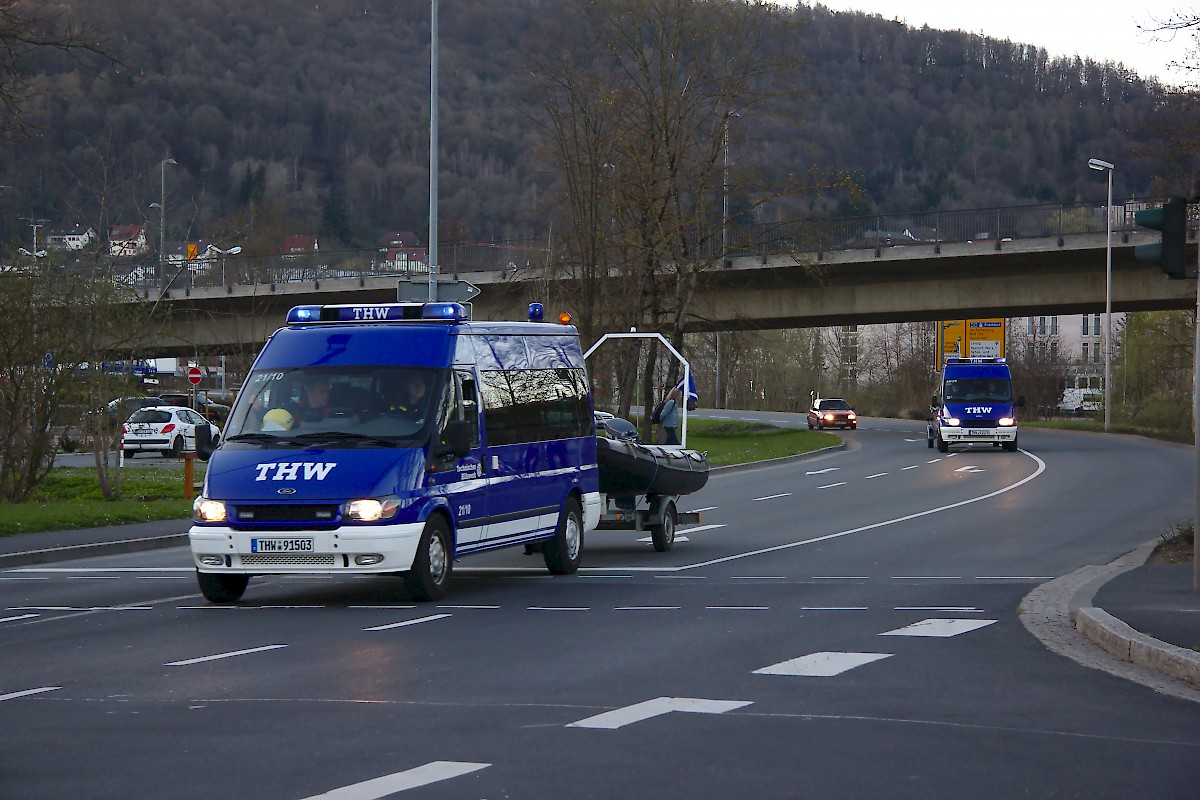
(429,575)
(564,552)
(222,588)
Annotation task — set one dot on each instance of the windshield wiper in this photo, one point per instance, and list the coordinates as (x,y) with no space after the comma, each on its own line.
(345,436)
(261,437)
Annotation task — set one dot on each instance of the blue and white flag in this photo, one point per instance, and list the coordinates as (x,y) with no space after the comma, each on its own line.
(693,397)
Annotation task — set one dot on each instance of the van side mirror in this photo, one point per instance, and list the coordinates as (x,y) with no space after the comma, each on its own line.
(204,443)
(457,438)
(1020,401)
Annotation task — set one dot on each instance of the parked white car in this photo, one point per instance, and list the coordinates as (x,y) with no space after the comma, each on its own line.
(166,430)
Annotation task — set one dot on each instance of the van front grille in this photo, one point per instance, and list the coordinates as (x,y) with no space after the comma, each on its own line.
(293,559)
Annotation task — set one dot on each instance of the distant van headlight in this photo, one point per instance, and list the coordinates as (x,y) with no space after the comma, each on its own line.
(952,422)
(371,510)
(205,510)
(1006,422)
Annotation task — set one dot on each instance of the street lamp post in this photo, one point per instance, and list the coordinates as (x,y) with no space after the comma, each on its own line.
(724,233)
(1105,166)
(162,216)
(233,251)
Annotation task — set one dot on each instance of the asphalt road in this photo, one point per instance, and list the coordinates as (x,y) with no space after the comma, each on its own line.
(845,626)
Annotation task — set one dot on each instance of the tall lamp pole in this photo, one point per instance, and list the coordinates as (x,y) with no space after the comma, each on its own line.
(724,236)
(1105,166)
(162,217)
(433,148)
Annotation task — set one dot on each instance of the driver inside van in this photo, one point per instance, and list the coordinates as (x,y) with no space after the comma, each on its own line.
(410,397)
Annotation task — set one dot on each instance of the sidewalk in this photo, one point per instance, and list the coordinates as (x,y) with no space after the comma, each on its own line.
(1146,614)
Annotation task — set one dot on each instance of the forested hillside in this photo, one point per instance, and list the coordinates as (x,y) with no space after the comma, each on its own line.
(306,117)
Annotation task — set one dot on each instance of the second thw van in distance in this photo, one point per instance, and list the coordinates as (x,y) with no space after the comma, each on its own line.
(394,438)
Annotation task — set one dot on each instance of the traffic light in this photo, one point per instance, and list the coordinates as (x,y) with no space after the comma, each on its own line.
(1171,219)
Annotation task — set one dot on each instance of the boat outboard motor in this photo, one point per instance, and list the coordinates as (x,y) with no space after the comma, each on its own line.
(622,429)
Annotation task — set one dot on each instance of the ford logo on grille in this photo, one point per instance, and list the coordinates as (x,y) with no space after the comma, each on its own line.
(287,490)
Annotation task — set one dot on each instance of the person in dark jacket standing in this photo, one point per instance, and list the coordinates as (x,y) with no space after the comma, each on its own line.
(669,431)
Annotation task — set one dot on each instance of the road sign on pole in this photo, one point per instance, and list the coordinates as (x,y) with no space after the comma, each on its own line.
(411,291)
(194,376)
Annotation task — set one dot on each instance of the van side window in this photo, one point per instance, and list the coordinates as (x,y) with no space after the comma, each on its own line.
(533,405)
(468,405)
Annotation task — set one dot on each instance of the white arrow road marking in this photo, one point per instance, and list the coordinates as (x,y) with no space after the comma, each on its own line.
(940,628)
(27,692)
(969,468)
(389,626)
(823,471)
(619,718)
(375,788)
(223,655)
(821,665)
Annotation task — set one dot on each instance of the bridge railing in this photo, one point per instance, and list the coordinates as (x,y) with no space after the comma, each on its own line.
(1057,221)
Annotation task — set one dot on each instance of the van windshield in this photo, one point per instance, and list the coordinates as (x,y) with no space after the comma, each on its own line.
(352,406)
(965,390)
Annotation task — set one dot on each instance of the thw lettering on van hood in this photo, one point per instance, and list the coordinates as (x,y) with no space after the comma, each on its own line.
(292,471)
(978,409)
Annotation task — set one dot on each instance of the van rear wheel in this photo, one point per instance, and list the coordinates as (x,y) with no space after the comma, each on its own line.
(429,576)
(564,552)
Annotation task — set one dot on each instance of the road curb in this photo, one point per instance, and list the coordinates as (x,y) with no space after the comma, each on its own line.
(1127,644)
(72,552)
(1118,638)
(773,462)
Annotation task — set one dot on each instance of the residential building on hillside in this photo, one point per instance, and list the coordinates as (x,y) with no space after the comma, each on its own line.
(399,250)
(127,240)
(298,244)
(73,238)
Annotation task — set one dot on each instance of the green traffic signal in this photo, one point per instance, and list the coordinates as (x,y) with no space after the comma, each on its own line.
(1171,219)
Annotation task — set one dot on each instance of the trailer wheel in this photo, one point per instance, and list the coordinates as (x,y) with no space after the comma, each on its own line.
(663,535)
(564,551)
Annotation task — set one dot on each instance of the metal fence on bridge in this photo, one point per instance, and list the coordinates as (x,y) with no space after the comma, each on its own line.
(1057,222)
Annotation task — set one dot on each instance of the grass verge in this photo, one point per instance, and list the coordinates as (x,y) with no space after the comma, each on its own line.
(1097,426)
(1176,546)
(729,442)
(70,498)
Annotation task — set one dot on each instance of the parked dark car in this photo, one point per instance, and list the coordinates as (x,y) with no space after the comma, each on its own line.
(212,411)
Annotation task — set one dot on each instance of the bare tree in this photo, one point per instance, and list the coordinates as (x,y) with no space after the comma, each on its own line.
(29,26)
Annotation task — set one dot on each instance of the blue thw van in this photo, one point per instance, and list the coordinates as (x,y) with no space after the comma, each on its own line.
(396,438)
(975,405)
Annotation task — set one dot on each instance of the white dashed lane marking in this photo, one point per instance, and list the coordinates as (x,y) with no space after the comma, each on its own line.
(832,485)
(821,665)
(27,692)
(406,622)
(771,497)
(417,777)
(218,656)
(940,628)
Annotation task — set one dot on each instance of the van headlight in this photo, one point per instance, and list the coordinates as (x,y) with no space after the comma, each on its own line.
(205,510)
(1006,422)
(952,422)
(371,510)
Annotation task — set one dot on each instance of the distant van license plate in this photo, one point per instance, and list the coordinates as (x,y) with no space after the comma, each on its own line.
(281,545)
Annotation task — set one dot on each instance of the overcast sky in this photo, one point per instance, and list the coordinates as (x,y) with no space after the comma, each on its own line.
(1104,30)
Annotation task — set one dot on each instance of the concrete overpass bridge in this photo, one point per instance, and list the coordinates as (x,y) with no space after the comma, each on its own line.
(888,280)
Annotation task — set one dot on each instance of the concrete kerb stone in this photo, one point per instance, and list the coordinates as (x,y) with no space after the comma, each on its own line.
(1060,614)
(71,552)
(1118,638)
